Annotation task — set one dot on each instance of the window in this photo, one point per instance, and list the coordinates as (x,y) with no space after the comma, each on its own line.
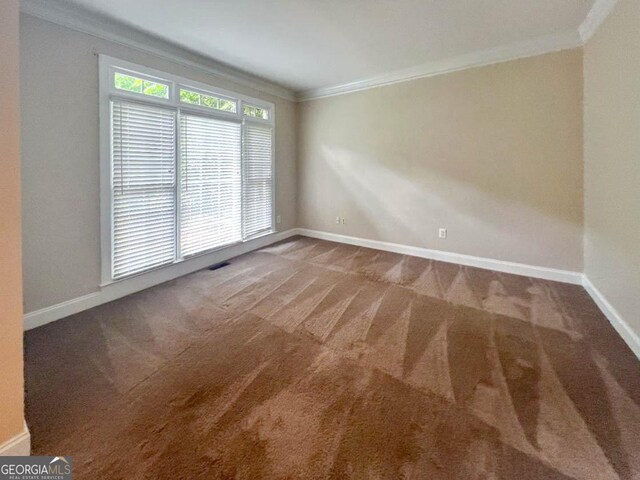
(210,183)
(195,98)
(143,163)
(257,180)
(256,112)
(122,81)
(185,169)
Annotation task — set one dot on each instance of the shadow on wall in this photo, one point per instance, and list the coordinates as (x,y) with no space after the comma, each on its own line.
(493,153)
(390,201)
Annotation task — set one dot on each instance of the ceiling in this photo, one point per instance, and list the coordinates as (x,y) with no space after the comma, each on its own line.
(305,45)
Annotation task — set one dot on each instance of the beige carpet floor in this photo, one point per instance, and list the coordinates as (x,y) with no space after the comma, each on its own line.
(311,360)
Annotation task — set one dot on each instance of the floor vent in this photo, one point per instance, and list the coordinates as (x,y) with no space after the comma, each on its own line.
(219,265)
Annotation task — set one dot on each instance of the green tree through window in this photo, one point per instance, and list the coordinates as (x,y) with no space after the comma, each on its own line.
(138,85)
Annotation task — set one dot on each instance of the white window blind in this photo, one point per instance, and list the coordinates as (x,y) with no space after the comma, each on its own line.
(186,168)
(143,187)
(257,195)
(210,183)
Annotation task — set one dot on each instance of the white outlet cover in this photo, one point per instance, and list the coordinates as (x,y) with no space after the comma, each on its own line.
(442,233)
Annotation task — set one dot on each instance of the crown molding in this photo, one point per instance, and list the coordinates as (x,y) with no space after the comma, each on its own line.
(596,16)
(117,32)
(482,58)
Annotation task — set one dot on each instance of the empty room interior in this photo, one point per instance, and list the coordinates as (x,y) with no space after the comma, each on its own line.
(337,239)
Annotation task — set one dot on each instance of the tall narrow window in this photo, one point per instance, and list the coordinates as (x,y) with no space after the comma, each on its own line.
(258,180)
(143,183)
(210,183)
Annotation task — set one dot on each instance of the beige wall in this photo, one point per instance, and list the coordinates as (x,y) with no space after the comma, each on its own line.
(61,159)
(11,365)
(612,160)
(494,154)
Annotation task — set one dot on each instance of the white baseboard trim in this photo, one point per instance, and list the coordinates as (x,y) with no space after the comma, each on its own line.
(545,273)
(62,310)
(20,445)
(630,337)
(117,290)
(113,291)
(624,330)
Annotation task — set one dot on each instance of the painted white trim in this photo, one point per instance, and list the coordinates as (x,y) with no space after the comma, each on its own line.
(61,310)
(596,17)
(631,338)
(622,327)
(101,27)
(545,273)
(126,287)
(538,46)
(131,285)
(20,445)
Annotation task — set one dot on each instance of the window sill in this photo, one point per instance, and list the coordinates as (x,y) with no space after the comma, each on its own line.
(186,261)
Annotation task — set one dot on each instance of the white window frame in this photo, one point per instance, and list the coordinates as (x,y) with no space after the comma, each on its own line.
(107,91)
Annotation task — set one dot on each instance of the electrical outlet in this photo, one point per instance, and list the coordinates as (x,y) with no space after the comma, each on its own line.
(278,219)
(338,220)
(343,220)
(442,233)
